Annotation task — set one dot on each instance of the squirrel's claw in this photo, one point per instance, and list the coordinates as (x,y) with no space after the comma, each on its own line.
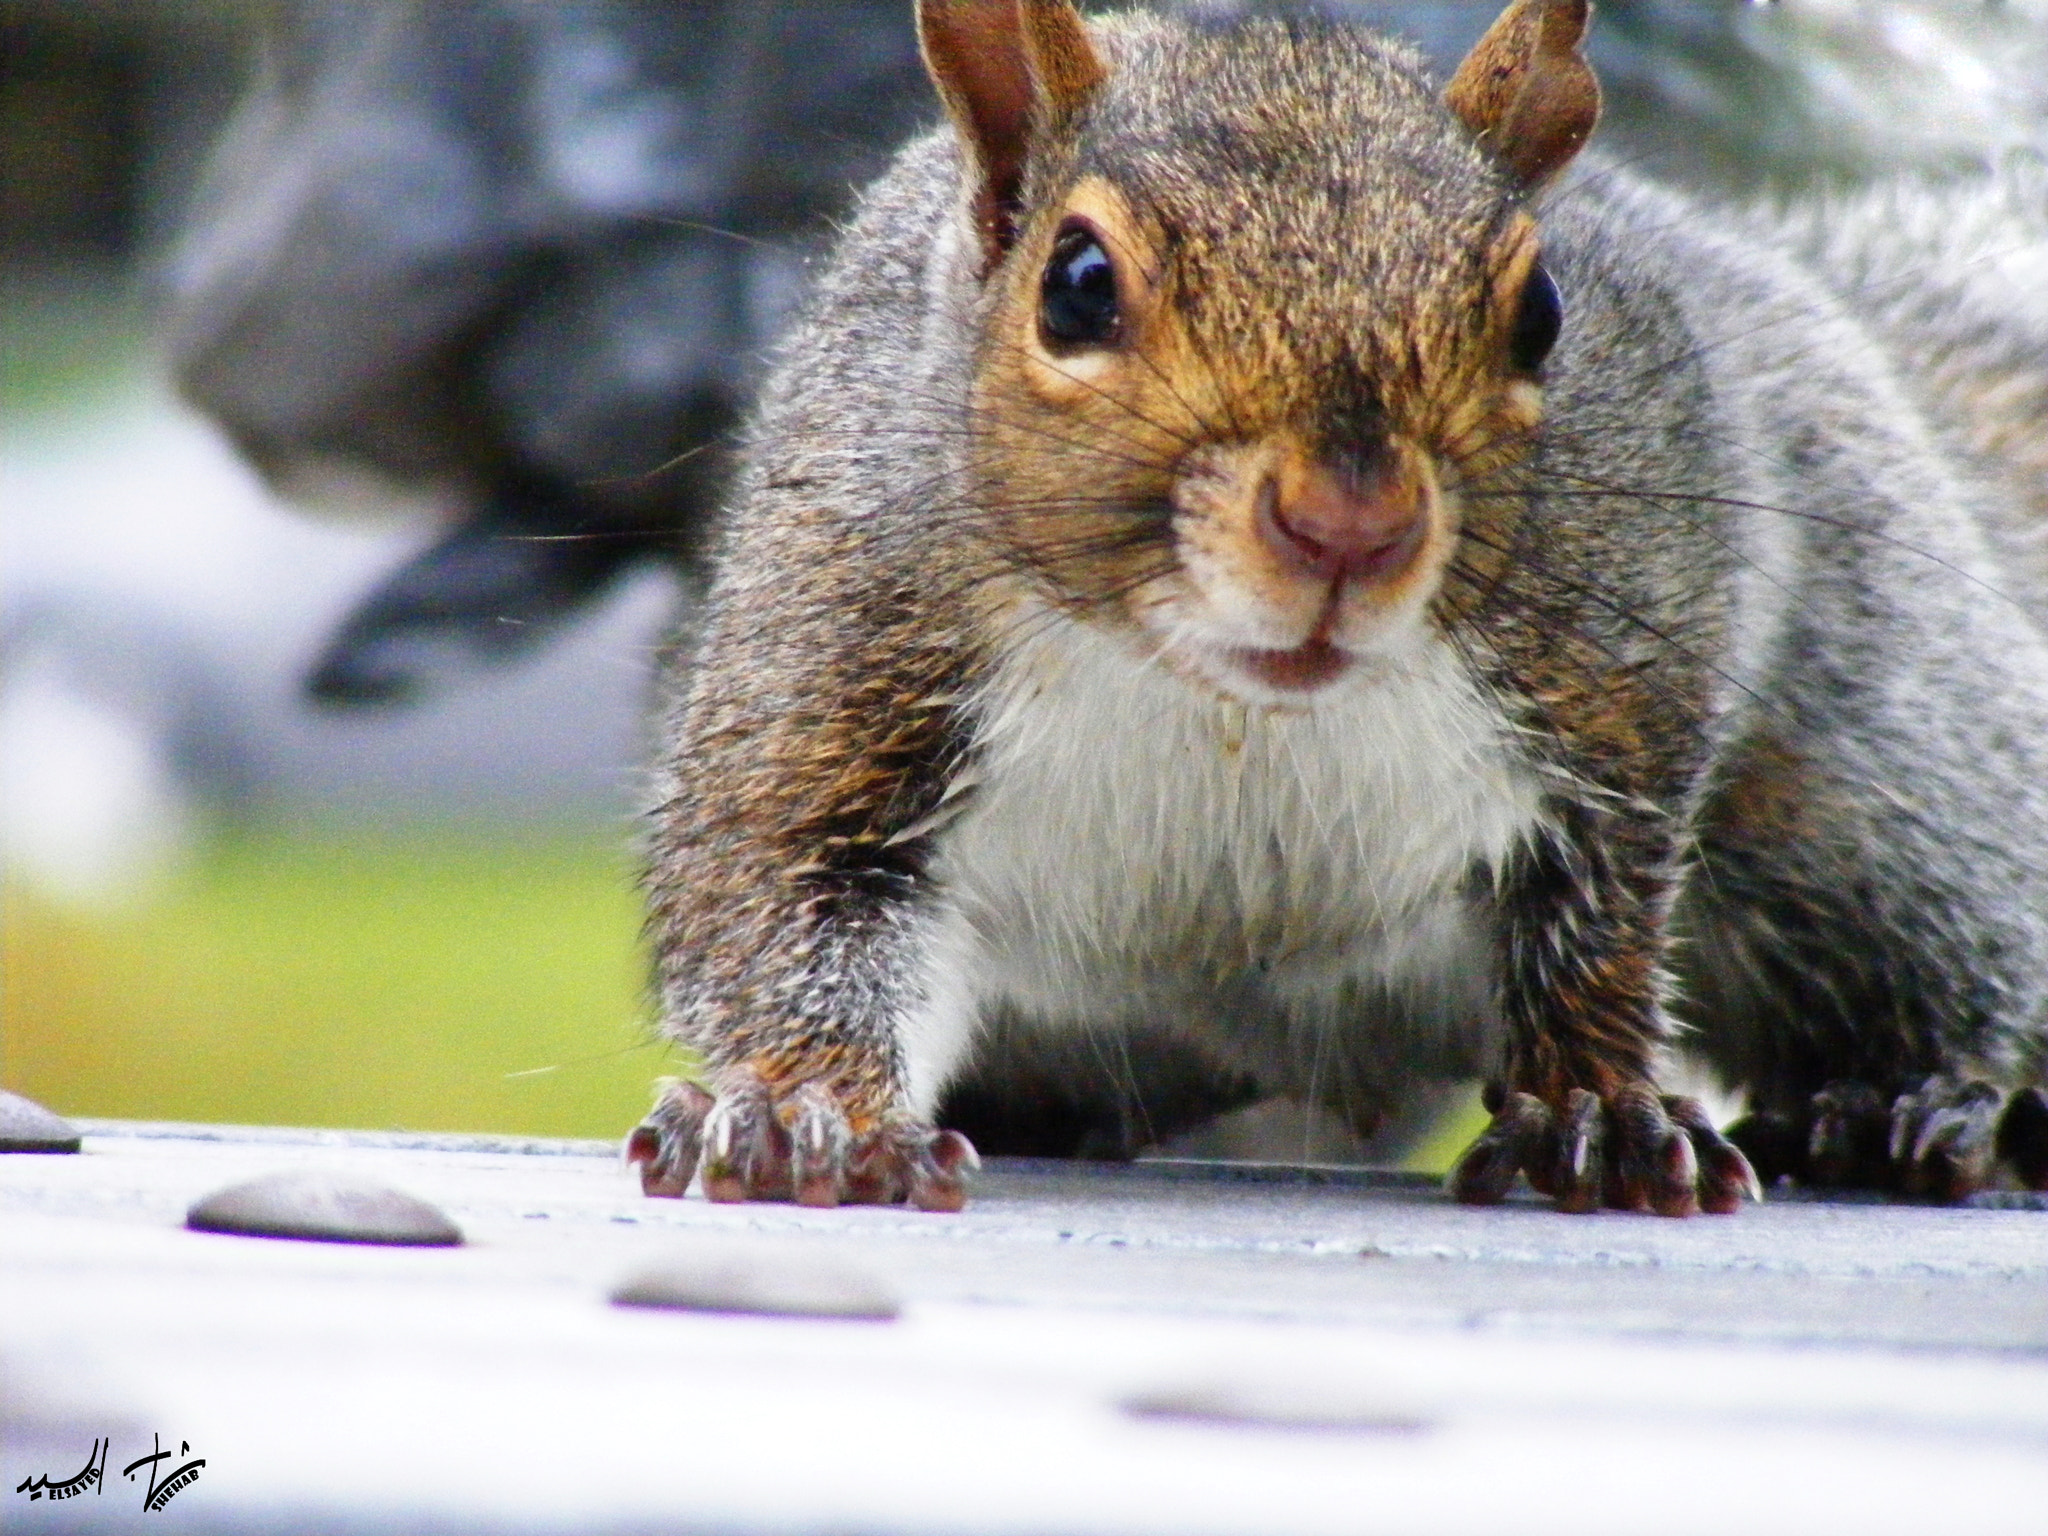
(746,1150)
(936,1171)
(667,1142)
(820,1147)
(1634,1151)
(1653,1167)
(1943,1138)
(1725,1177)
(755,1145)
(1487,1171)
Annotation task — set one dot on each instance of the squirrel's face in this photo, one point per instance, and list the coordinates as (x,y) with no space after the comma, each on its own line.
(1259,331)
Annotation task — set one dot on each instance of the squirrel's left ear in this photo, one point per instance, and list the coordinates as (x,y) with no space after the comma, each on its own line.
(1009,72)
(1526,91)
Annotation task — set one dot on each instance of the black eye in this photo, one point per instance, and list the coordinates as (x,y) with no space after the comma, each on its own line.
(1077,295)
(1538,318)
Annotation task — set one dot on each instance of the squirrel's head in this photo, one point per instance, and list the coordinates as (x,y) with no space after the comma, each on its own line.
(1257,304)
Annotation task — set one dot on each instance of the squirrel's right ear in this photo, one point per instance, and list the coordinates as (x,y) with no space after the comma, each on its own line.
(1526,91)
(1008,71)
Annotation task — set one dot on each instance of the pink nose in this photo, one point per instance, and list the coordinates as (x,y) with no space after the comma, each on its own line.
(1342,527)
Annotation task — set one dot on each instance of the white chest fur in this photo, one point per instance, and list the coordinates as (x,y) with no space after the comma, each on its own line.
(1130,830)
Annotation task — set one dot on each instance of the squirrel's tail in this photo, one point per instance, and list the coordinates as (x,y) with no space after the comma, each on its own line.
(1953,277)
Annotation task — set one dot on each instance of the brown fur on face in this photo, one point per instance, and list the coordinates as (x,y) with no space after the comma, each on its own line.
(1142,479)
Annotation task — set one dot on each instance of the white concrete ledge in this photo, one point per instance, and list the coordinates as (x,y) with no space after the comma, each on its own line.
(1083,1350)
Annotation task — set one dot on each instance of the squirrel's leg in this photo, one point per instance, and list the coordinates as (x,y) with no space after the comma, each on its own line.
(1869,982)
(809,1091)
(801,943)
(1579,1112)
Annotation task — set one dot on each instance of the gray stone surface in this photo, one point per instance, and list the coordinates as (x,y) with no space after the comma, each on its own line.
(1149,1349)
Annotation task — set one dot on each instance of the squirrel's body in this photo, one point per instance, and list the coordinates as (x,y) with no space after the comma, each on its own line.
(1054,681)
(1953,281)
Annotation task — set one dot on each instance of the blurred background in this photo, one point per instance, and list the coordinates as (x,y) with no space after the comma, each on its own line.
(365,367)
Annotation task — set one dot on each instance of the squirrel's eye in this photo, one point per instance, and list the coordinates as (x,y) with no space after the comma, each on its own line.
(1077,295)
(1538,318)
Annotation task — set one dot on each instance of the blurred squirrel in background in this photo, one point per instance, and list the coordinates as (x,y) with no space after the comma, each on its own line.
(1247,545)
(517,262)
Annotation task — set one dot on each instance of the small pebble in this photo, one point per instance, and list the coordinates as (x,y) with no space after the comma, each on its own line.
(25,1126)
(319,1206)
(1275,1402)
(768,1284)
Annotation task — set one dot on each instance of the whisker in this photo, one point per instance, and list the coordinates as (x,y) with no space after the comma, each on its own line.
(670,221)
(1621,608)
(1145,419)
(1591,489)
(641,476)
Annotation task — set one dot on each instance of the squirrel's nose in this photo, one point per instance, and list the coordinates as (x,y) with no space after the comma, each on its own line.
(1333,525)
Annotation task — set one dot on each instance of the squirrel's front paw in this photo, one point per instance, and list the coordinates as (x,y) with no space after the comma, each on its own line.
(756,1144)
(1942,1139)
(1636,1150)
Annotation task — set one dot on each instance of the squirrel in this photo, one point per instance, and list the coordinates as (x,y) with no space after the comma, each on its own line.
(1252,545)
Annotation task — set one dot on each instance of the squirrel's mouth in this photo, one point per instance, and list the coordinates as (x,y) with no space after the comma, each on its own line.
(1303,669)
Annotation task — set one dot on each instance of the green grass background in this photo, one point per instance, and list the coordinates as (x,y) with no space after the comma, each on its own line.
(452,982)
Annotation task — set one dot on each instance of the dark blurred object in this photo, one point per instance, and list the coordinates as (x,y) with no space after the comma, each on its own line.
(527,256)
(102,106)
(68,141)
(1085,1096)
(529,555)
